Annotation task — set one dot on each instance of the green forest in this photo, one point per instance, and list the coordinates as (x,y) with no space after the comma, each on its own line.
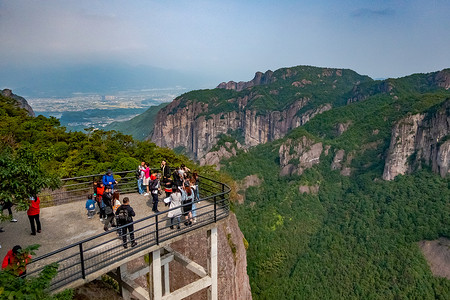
(357,238)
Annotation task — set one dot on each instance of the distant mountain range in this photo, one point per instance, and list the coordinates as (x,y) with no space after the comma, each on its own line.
(65,80)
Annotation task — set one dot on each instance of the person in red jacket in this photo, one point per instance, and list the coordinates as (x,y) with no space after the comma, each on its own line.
(33,214)
(15,261)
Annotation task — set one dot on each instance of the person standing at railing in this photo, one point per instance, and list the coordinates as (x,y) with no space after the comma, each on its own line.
(100,189)
(33,214)
(187,199)
(108,179)
(165,171)
(141,176)
(175,205)
(107,201)
(125,214)
(155,187)
(146,178)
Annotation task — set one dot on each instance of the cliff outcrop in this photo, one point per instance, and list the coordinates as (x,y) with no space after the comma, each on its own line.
(298,155)
(21,102)
(420,139)
(259,79)
(188,124)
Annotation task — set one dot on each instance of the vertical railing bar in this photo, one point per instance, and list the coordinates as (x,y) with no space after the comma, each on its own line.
(215,209)
(157,229)
(83,273)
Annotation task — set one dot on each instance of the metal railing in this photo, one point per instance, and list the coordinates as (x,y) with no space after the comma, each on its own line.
(78,260)
(77,188)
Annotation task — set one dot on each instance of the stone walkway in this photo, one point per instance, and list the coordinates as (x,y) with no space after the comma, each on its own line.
(63,225)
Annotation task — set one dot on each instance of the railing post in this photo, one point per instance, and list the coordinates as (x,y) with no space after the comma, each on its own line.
(83,272)
(157,230)
(215,209)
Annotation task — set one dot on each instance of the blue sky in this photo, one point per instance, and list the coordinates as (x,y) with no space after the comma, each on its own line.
(230,40)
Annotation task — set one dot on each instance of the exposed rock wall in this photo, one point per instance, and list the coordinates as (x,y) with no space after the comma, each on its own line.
(417,139)
(298,155)
(189,126)
(21,102)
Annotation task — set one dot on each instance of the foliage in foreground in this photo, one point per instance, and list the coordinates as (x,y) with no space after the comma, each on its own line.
(35,288)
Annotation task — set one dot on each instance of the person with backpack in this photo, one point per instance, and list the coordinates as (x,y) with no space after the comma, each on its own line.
(125,214)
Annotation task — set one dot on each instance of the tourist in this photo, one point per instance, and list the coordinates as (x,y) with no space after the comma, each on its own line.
(33,214)
(188,197)
(108,179)
(141,176)
(125,214)
(146,178)
(14,257)
(107,201)
(90,206)
(175,207)
(176,178)
(98,198)
(8,205)
(154,187)
(168,187)
(116,204)
(165,171)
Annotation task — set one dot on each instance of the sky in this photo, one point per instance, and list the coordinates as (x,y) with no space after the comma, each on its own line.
(230,40)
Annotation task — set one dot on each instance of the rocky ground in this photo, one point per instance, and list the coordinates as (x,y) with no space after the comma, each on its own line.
(437,253)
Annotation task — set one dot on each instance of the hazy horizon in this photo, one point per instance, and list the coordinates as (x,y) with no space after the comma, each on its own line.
(227,40)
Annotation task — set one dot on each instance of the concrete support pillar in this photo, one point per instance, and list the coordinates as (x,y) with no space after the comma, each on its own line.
(123,272)
(212,263)
(157,280)
(166,279)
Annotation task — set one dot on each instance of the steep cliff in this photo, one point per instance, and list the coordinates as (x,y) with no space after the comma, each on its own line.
(21,102)
(261,110)
(420,139)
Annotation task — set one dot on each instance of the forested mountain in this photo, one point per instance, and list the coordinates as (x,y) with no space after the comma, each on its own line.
(310,148)
(139,127)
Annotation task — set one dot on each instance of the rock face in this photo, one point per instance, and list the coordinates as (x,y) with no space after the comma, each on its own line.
(185,124)
(417,139)
(233,282)
(21,102)
(298,155)
(259,79)
(226,151)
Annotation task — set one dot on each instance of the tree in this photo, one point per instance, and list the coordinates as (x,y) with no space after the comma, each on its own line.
(22,175)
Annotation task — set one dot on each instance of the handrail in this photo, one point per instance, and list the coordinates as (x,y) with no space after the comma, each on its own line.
(80,259)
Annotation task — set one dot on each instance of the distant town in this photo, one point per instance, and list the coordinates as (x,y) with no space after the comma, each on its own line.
(84,110)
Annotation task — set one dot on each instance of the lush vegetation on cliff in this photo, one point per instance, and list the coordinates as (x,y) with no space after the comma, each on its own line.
(357,237)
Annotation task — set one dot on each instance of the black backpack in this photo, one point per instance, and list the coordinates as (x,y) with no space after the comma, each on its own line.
(123,215)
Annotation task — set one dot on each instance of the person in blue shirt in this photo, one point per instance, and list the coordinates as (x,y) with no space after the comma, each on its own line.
(108,179)
(90,207)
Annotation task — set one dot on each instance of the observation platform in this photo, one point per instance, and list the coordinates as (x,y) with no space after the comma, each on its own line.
(84,251)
